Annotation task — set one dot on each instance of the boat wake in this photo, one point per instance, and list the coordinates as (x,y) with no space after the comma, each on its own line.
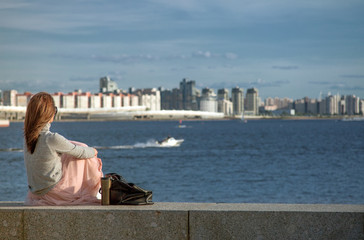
(152,143)
(11,149)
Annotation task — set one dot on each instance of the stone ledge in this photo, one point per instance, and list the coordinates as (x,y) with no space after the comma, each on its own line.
(183,221)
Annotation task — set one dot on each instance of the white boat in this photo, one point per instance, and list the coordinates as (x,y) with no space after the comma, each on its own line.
(4,123)
(170,142)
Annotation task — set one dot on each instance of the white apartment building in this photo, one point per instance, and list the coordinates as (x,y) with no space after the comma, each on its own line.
(134,101)
(126,100)
(332,104)
(118,100)
(208,102)
(57,98)
(95,100)
(225,106)
(150,98)
(83,100)
(69,100)
(107,100)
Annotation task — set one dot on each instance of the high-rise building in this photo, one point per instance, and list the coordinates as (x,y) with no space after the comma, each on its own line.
(171,100)
(189,94)
(107,85)
(252,101)
(9,97)
(352,104)
(237,98)
(150,98)
(223,94)
(332,104)
(208,101)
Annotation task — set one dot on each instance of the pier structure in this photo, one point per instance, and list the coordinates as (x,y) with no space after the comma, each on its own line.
(113,113)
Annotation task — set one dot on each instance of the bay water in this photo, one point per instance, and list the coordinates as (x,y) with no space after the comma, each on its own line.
(261,161)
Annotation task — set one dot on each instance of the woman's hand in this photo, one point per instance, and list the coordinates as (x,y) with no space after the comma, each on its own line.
(95,152)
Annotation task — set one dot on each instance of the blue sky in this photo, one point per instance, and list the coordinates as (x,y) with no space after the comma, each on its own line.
(284,48)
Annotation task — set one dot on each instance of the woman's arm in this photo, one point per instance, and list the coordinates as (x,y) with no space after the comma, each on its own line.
(61,145)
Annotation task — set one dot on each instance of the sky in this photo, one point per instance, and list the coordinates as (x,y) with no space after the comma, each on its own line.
(283,48)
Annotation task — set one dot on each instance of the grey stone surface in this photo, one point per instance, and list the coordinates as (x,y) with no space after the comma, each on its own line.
(183,221)
(275,225)
(11,224)
(105,224)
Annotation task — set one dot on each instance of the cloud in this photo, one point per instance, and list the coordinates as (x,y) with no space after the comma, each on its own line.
(202,54)
(352,76)
(83,79)
(258,83)
(139,58)
(231,56)
(320,82)
(263,84)
(346,87)
(125,58)
(337,85)
(285,67)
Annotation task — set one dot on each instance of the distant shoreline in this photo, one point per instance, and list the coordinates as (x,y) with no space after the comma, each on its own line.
(247,118)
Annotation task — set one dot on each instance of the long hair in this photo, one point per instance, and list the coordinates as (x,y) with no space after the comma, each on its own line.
(40,111)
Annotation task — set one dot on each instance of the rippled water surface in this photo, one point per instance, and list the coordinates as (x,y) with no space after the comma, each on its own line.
(266,161)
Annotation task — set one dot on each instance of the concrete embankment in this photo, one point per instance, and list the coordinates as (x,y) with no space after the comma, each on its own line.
(183,221)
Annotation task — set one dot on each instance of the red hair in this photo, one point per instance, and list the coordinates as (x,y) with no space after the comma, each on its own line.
(40,111)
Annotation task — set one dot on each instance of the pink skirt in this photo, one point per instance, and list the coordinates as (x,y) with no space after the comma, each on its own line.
(79,185)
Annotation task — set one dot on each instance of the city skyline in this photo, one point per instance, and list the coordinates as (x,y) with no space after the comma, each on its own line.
(283,48)
(215,91)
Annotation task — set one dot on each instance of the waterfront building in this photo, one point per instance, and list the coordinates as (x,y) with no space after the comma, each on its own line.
(225,106)
(208,102)
(171,100)
(312,106)
(134,100)
(270,102)
(57,98)
(125,100)
(107,100)
(9,97)
(299,106)
(22,99)
(117,101)
(83,100)
(352,105)
(150,98)
(107,85)
(285,103)
(332,104)
(237,96)
(322,107)
(69,100)
(252,101)
(95,100)
(223,94)
(342,106)
(190,94)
